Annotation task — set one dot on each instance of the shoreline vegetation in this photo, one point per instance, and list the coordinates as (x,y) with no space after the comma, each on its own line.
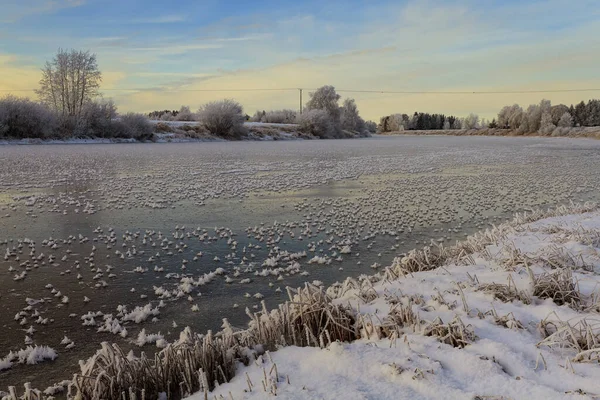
(529,283)
(574,132)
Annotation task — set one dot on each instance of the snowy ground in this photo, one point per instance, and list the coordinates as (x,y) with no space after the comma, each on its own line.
(509,356)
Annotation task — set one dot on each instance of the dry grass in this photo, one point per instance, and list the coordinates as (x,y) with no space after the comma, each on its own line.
(425,259)
(195,363)
(506,293)
(400,316)
(508,321)
(559,258)
(583,337)
(558,286)
(454,333)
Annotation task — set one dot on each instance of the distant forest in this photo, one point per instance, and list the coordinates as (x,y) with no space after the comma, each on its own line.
(543,118)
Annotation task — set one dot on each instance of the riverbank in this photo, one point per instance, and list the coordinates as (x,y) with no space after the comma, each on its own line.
(510,313)
(582,132)
(183,132)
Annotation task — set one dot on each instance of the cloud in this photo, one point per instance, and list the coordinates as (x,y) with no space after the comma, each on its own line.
(419,45)
(14,10)
(160,19)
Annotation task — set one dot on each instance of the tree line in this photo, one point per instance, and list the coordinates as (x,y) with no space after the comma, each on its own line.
(542,118)
(323,116)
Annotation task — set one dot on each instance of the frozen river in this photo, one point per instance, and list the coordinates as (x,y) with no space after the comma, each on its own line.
(194,233)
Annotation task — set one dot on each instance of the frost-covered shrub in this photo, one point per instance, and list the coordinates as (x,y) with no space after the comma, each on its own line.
(257,117)
(23,118)
(167,117)
(317,123)
(274,117)
(371,127)
(96,119)
(136,126)
(185,114)
(223,118)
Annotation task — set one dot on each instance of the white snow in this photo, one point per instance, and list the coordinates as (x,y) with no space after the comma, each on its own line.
(501,362)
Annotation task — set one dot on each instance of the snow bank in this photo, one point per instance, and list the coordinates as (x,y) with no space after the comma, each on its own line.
(479,325)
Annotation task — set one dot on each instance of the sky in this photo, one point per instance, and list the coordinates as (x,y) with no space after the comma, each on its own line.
(157,54)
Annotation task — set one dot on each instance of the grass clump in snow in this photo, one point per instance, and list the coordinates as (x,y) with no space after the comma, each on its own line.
(506,293)
(455,333)
(582,337)
(418,260)
(558,286)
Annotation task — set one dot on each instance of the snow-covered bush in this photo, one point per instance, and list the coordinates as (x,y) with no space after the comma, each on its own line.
(185,114)
(167,117)
(223,118)
(317,123)
(275,117)
(23,118)
(371,127)
(96,119)
(136,126)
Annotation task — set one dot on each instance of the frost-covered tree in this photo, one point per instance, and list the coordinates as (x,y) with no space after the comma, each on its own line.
(546,125)
(69,81)
(565,121)
(392,123)
(471,121)
(557,112)
(580,114)
(325,98)
(457,124)
(223,118)
(185,114)
(318,123)
(510,117)
(446,125)
(350,119)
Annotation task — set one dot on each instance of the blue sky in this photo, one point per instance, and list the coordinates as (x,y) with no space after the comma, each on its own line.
(416,45)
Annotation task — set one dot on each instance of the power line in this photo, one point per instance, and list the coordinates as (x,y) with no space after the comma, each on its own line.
(339,90)
(468,92)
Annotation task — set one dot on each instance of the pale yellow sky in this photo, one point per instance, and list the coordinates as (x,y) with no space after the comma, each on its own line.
(415,45)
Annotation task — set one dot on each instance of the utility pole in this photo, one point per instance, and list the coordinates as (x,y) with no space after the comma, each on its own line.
(300,100)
